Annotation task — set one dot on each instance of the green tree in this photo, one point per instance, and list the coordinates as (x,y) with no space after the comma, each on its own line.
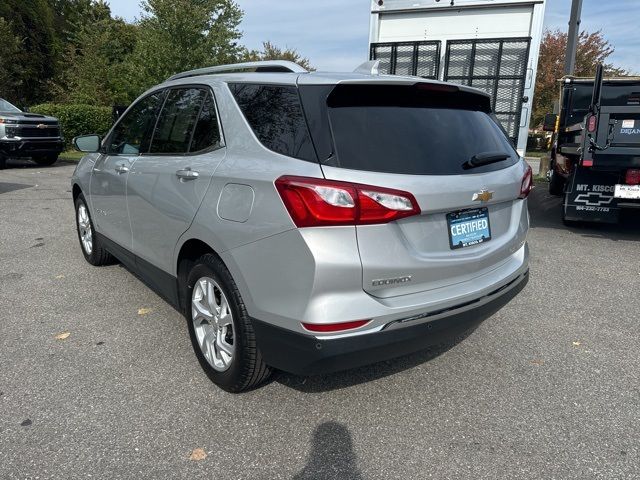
(592,49)
(10,70)
(33,23)
(179,35)
(272,52)
(95,63)
(73,16)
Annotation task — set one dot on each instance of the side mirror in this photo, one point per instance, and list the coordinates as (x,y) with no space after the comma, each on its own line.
(549,124)
(87,143)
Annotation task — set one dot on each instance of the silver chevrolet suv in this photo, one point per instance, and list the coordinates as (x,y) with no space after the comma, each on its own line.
(309,222)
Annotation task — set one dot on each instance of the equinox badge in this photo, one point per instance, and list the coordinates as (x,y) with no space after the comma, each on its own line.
(482,196)
(390,281)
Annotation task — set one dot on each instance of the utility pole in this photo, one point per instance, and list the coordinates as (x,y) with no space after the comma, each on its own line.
(572,38)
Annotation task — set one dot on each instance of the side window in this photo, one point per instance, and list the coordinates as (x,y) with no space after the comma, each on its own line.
(177,121)
(133,132)
(275,115)
(207,133)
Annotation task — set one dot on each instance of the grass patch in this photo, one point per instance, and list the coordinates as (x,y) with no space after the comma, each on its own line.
(72,155)
(540,179)
(538,154)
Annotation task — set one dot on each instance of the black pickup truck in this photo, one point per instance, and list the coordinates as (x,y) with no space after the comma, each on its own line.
(595,156)
(28,135)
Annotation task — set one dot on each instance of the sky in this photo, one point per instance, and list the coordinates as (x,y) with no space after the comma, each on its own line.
(334,34)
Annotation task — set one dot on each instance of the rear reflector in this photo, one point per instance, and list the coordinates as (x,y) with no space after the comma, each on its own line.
(334,327)
(632,177)
(527,183)
(592,123)
(316,202)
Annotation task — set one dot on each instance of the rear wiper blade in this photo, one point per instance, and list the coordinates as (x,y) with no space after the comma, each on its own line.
(485,158)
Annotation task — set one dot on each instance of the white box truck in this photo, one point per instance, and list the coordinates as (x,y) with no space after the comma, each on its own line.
(492,45)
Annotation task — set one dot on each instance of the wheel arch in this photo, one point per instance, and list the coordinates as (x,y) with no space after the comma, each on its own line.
(190,251)
(76,191)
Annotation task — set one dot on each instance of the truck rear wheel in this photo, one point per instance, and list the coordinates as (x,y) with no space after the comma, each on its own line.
(556,184)
(3,161)
(46,160)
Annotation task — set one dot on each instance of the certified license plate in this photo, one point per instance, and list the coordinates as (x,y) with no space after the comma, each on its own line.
(468,227)
(630,192)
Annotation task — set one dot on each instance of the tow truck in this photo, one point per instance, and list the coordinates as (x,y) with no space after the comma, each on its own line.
(595,154)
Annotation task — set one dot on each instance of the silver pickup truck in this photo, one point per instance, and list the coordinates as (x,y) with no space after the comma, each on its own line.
(28,135)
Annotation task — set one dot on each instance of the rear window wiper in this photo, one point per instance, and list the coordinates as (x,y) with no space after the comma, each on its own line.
(485,158)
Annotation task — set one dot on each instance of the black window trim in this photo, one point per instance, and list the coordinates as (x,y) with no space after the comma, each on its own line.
(208,91)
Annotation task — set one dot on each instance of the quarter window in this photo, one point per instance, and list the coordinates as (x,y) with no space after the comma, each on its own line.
(276,117)
(132,133)
(177,121)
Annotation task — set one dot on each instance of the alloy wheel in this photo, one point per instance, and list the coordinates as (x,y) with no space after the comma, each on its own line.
(84,227)
(213,323)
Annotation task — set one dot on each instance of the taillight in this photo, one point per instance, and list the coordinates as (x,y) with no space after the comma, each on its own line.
(527,183)
(632,177)
(314,202)
(592,123)
(335,327)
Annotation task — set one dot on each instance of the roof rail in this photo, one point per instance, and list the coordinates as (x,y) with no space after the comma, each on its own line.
(264,66)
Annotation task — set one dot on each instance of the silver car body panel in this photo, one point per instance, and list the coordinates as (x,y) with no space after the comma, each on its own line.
(318,275)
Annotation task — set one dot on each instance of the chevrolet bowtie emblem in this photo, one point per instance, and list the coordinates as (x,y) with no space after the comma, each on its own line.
(41,125)
(482,196)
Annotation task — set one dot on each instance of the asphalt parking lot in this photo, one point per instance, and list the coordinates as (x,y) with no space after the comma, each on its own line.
(549,387)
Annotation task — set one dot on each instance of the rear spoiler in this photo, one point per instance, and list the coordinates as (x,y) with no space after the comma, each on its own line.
(410,93)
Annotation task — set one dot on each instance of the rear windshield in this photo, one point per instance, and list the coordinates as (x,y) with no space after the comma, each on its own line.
(413,130)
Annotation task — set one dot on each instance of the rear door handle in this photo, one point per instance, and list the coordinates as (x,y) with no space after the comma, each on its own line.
(122,169)
(187,174)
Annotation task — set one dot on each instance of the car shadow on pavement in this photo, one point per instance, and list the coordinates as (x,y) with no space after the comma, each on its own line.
(367,373)
(18,163)
(545,212)
(331,456)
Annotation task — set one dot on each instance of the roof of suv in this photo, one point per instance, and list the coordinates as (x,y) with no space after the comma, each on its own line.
(298,76)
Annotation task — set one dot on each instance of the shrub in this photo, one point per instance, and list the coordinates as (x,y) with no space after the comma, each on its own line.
(77,119)
(537,142)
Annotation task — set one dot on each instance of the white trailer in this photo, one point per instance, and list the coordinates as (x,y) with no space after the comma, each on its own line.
(492,45)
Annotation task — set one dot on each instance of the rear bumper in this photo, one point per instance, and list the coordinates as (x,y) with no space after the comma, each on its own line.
(27,148)
(307,355)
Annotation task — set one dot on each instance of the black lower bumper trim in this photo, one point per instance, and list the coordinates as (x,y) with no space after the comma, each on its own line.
(305,355)
(27,148)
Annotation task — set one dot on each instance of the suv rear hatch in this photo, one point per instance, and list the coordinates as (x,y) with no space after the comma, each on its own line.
(441,144)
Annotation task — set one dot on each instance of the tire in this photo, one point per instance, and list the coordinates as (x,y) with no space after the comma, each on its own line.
(556,184)
(96,255)
(3,161)
(244,368)
(46,160)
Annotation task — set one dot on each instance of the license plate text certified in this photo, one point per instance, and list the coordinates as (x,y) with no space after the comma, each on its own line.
(468,227)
